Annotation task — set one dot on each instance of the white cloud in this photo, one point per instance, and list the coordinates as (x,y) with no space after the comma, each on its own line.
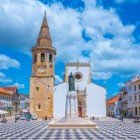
(2,74)
(120,84)
(21,20)
(19,86)
(4,79)
(118,55)
(58,79)
(101,75)
(7,62)
(128,1)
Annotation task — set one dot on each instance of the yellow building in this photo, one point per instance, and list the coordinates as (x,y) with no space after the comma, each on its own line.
(42,79)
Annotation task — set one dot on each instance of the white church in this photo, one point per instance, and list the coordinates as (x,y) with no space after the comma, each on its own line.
(91,97)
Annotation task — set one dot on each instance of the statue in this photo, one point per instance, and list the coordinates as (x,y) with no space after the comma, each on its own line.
(71,81)
(71,110)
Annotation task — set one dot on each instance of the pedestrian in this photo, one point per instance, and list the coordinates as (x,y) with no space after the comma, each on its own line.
(28,116)
(46,118)
(122,118)
(16,119)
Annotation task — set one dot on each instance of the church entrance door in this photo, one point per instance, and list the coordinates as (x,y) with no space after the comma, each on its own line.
(80,111)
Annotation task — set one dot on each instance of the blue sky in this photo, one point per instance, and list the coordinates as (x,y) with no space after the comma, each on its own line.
(106,33)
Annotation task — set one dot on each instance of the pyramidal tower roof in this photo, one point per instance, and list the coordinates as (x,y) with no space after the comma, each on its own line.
(44,38)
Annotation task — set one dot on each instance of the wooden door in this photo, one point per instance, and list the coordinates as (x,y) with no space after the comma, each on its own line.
(80,111)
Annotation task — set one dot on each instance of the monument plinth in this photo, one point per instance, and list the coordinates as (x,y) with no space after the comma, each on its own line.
(71,109)
(71,123)
(71,119)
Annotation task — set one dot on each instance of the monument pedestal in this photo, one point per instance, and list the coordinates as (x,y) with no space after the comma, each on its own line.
(71,123)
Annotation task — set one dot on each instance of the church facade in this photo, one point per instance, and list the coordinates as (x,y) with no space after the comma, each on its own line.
(91,97)
(48,101)
(42,78)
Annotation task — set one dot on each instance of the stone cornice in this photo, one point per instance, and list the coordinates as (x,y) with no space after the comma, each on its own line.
(78,64)
(47,49)
(42,76)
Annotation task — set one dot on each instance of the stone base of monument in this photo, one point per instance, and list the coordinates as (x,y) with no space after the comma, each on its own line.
(71,123)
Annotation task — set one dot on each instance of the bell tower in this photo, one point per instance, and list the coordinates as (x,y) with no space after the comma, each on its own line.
(42,78)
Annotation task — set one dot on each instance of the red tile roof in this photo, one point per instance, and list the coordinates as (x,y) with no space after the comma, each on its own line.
(3,90)
(13,89)
(113,99)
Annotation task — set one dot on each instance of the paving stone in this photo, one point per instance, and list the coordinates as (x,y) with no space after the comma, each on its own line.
(33,130)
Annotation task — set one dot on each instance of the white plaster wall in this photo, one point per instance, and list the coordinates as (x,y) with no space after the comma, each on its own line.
(84,70)
(60,92)
(5,103)
(96,105)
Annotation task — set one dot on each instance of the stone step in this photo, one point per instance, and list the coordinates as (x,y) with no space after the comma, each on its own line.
(71,126)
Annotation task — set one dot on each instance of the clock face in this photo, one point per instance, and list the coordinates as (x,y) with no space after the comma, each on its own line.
(41,70)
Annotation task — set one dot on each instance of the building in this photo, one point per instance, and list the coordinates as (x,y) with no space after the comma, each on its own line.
(91,97)
(24,102)
(113,105)
(15,99)
(48,101)
(6,99)
(133,89)
(123,102)
(42,78)
(128,103)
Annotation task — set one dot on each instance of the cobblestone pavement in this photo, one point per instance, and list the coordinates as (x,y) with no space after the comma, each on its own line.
(107,129)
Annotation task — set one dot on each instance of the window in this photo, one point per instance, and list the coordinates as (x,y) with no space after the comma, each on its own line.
(50,58)
(129,88)
(136,111)
(35,58)
(51,66)
(37,88)
(135,88)
(130,98)
(135,97)
(42,57)
(78,76)
(39,106)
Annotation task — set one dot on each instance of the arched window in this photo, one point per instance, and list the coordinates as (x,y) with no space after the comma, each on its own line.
(50,58)
(35,58)
(38,106)
(42,57)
